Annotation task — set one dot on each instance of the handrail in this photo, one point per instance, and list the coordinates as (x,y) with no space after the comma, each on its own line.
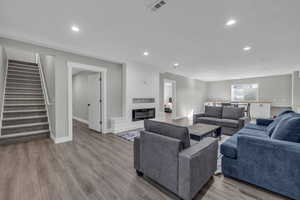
(42,75)
(45,91)
(4,88)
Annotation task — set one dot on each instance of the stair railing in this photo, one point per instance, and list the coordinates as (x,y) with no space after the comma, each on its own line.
(45,89)
(2,95)
(43,80)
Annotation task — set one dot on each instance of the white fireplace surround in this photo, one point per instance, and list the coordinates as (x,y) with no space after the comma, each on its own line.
(120,124)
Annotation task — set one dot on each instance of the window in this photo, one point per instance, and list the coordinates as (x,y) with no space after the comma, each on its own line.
(244,92)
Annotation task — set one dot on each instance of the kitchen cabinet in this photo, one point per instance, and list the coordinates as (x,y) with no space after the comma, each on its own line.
(260,110)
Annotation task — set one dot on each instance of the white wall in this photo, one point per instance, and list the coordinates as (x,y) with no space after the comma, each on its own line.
(190,94)
(139,81)
(47,62)
(3,64)
(168,88)
(296,91)
(48,66)
(277,89)
(61,98)
(19,54)
(142,81)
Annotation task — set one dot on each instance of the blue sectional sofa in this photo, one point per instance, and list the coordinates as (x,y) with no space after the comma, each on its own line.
(266,154)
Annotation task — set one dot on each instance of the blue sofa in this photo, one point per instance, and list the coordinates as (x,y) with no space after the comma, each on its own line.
(266,154)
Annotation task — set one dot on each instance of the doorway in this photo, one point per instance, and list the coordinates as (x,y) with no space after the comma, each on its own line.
(169,95)
(87,96)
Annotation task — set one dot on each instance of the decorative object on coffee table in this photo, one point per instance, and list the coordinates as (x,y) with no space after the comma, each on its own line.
(197,131)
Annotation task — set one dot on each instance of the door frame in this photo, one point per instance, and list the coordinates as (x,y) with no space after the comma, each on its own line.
(174,111)
(103,93)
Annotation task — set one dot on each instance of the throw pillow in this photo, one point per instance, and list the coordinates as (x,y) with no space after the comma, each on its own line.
(288,129)
(213,111)
(273,125)
(285,112)
(232,113)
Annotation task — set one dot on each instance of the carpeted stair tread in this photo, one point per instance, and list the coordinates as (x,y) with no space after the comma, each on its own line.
(23,77)
(20,93)
(18,80)
(24,137)
(19,88)
(36,104)
(23,98)
(12,111)
(23,85)
(28,117)
(27,69)
(14,71)
(24,125)
(22,62)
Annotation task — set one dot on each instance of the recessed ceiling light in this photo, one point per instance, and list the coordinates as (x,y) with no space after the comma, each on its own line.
(247,48)
(176,64)
(146,53)
(75,28)
(231,22)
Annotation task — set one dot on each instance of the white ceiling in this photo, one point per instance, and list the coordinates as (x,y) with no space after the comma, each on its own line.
(190,32)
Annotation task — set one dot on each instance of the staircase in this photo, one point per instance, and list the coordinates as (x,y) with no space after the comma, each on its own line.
(24,112)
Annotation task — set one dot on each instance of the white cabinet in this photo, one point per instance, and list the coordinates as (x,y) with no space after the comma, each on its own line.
(260,110)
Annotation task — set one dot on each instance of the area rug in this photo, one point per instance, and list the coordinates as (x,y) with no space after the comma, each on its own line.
(219,161)
(130,135)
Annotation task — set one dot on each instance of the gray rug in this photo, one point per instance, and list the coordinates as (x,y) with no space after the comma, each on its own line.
(130,135)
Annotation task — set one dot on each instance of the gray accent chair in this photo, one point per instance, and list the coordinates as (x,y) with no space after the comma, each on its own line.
(164,153)
(231,119)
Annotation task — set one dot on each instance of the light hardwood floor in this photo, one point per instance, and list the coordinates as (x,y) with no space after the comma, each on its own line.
(94,166)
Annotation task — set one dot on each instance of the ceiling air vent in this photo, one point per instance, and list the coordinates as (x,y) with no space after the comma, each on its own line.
(158,4)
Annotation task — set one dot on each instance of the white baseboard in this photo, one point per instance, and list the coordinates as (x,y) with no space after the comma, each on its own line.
(52,137)
(180,117)
(108,130)
(62,139)
(81,120)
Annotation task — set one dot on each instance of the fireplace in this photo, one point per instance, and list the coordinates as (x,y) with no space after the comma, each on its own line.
(141,114)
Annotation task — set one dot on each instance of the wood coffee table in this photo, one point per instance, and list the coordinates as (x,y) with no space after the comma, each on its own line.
(199,131)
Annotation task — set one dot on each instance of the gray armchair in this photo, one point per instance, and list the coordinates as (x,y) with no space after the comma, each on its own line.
(163,153)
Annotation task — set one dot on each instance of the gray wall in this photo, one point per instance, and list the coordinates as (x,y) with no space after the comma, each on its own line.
(48,66)
(190,94)
(47,63)
(61,97)
(114,86)
(277,89)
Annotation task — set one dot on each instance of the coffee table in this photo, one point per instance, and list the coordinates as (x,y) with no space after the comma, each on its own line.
(199,131)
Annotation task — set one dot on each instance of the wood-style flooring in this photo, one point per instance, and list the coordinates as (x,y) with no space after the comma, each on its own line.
(94,166)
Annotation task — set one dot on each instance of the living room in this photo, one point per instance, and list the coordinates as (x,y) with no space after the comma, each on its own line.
(197,100)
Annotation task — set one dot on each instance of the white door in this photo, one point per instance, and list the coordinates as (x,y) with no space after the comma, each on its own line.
(94,99)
